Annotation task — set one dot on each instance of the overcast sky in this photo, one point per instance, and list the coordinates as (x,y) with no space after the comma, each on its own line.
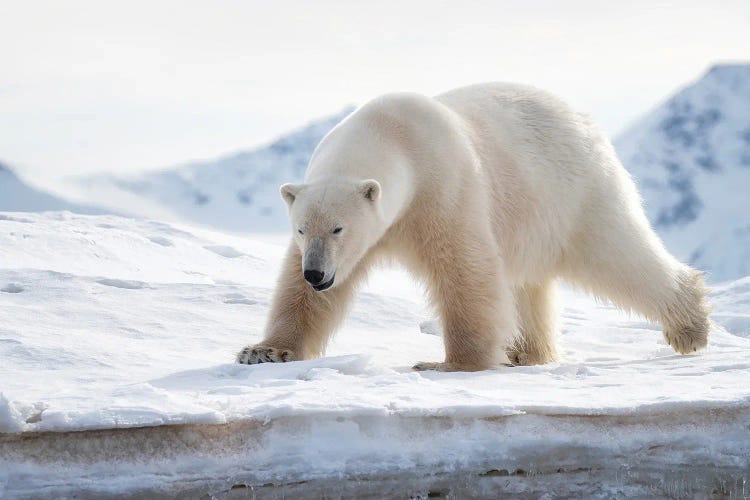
(102,85)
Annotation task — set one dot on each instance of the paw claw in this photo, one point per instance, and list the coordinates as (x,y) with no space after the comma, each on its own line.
(426,365)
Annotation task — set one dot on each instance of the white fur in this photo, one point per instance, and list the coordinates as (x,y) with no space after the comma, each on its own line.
(489,194)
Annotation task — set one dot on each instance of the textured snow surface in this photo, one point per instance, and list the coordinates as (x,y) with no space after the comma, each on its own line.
(114,323)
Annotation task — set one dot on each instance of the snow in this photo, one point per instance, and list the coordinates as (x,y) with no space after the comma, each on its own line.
(127,329)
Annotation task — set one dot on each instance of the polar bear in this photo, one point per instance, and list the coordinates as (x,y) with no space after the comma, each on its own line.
(490,194)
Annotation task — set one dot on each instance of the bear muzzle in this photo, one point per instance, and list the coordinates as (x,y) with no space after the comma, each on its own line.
(315,278)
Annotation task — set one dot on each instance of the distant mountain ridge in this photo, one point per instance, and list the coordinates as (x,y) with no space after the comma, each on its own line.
(690,157)
(18,196)
(238,192)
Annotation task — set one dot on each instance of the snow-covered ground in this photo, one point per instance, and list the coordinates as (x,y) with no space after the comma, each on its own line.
(122,328)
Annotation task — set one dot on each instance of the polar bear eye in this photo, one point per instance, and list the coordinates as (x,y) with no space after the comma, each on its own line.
(300,231)
(337,230)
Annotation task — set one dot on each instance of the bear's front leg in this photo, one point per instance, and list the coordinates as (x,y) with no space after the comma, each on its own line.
(477,309)
(301,320)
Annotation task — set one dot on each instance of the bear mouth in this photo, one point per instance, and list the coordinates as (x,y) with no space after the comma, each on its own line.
(324,286)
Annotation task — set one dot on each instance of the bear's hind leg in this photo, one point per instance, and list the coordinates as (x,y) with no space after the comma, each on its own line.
(537,316)
(629,265)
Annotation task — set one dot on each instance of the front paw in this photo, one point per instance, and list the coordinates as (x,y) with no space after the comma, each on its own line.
(255,354)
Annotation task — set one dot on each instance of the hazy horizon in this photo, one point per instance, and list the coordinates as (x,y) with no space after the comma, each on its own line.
(93,87)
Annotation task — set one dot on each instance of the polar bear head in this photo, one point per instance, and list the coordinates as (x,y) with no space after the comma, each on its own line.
(334,224)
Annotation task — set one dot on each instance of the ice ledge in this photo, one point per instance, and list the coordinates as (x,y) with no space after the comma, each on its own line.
(321,448)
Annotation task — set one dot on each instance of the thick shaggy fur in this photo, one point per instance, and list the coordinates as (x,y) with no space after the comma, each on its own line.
(489,194)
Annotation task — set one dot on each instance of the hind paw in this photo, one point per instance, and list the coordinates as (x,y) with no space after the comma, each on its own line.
(518,358)
(686,340)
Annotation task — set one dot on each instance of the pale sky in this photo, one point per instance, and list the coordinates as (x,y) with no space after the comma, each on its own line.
(102,85)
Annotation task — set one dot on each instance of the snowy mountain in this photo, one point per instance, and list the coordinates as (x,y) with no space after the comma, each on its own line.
(238,193)
(123,384)
(17,196)
(690,157)
(691,160)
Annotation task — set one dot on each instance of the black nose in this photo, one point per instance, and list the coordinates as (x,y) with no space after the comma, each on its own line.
(313,276)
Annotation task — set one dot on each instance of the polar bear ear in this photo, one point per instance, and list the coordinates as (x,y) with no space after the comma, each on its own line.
(370,189)
(289,192)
